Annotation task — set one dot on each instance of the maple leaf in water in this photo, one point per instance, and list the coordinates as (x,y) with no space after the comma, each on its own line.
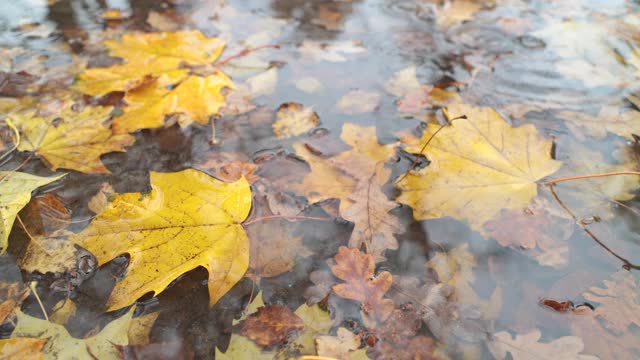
(361,283)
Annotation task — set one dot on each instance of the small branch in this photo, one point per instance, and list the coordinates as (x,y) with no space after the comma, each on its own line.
(626,263)
(245,52)
(10,172)
(424,147)
(32,286)
(589,176)
(289,217)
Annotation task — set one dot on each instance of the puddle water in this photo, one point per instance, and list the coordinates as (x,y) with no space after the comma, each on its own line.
(535,62)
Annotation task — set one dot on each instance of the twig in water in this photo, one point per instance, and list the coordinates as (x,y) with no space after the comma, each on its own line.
(589,176)
(16,142)
(32,286)
(627,265)
(245,52)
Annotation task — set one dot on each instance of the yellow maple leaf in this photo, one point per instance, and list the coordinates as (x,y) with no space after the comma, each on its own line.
(197,97)
(163,73)
(70,139)
(189,219)
(479,166)
(153,54)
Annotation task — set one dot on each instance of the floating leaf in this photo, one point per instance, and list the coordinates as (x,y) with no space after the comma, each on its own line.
(271,325)
(479,166)
(294,119)
(22,348)
(189,219)
(619,301)
(15,193)
(70,139)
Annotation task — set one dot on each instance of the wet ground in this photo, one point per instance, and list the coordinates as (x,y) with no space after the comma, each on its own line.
(532,61)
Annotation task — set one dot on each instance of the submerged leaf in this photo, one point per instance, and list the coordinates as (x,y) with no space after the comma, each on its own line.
(189,219)
(527,346)
(15,193)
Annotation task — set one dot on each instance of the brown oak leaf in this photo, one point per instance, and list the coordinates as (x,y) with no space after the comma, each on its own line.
(357,269)
(271,325)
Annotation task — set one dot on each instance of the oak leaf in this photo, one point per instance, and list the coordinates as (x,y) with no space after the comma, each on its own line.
(60,344)
(271,325)
(339,346)
(479,166)
(362,284)
(528,347)
(15,193)
(189,219)
(71,139)
(619,301)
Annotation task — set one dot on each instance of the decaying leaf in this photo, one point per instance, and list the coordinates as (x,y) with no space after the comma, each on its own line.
(339,346)
(479,166)
(11,295)
(294,119)
(60,345)
(189,219)
(71,139)
(534,230)
(528,346)
(22,348)
(271,325)
(15,193)
(45,255)
(374,226)
(45,214)
(316,322)
(619,302)
(362,284)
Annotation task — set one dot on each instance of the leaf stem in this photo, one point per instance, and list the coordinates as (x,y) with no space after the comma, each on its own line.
(589,176)
(292,217)
(245,52)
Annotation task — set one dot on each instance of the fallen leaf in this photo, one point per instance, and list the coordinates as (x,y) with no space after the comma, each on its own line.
(70,139)
(228,167)
(338,176)
(157,351)
(15,194)
(140,328)
(293,119)
(479,166)
(527,346)
(374,226)
(12,296)
(403,82)
(328,17)
(263,83)
(316,322)
(362,284)
(534,230)
(271,325)
(601,342)
(322,281)
(189,219)
(60,345)
(619,301)
(162,22)
(157,54)
(195,97)
(426,97)
(100,200)
(332,52)
(454,12)
(45,255)
(339,346)
(358,102)
(23,348)
(609,120)
(152,62)
(45,214)
(242,348)
(309,85)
